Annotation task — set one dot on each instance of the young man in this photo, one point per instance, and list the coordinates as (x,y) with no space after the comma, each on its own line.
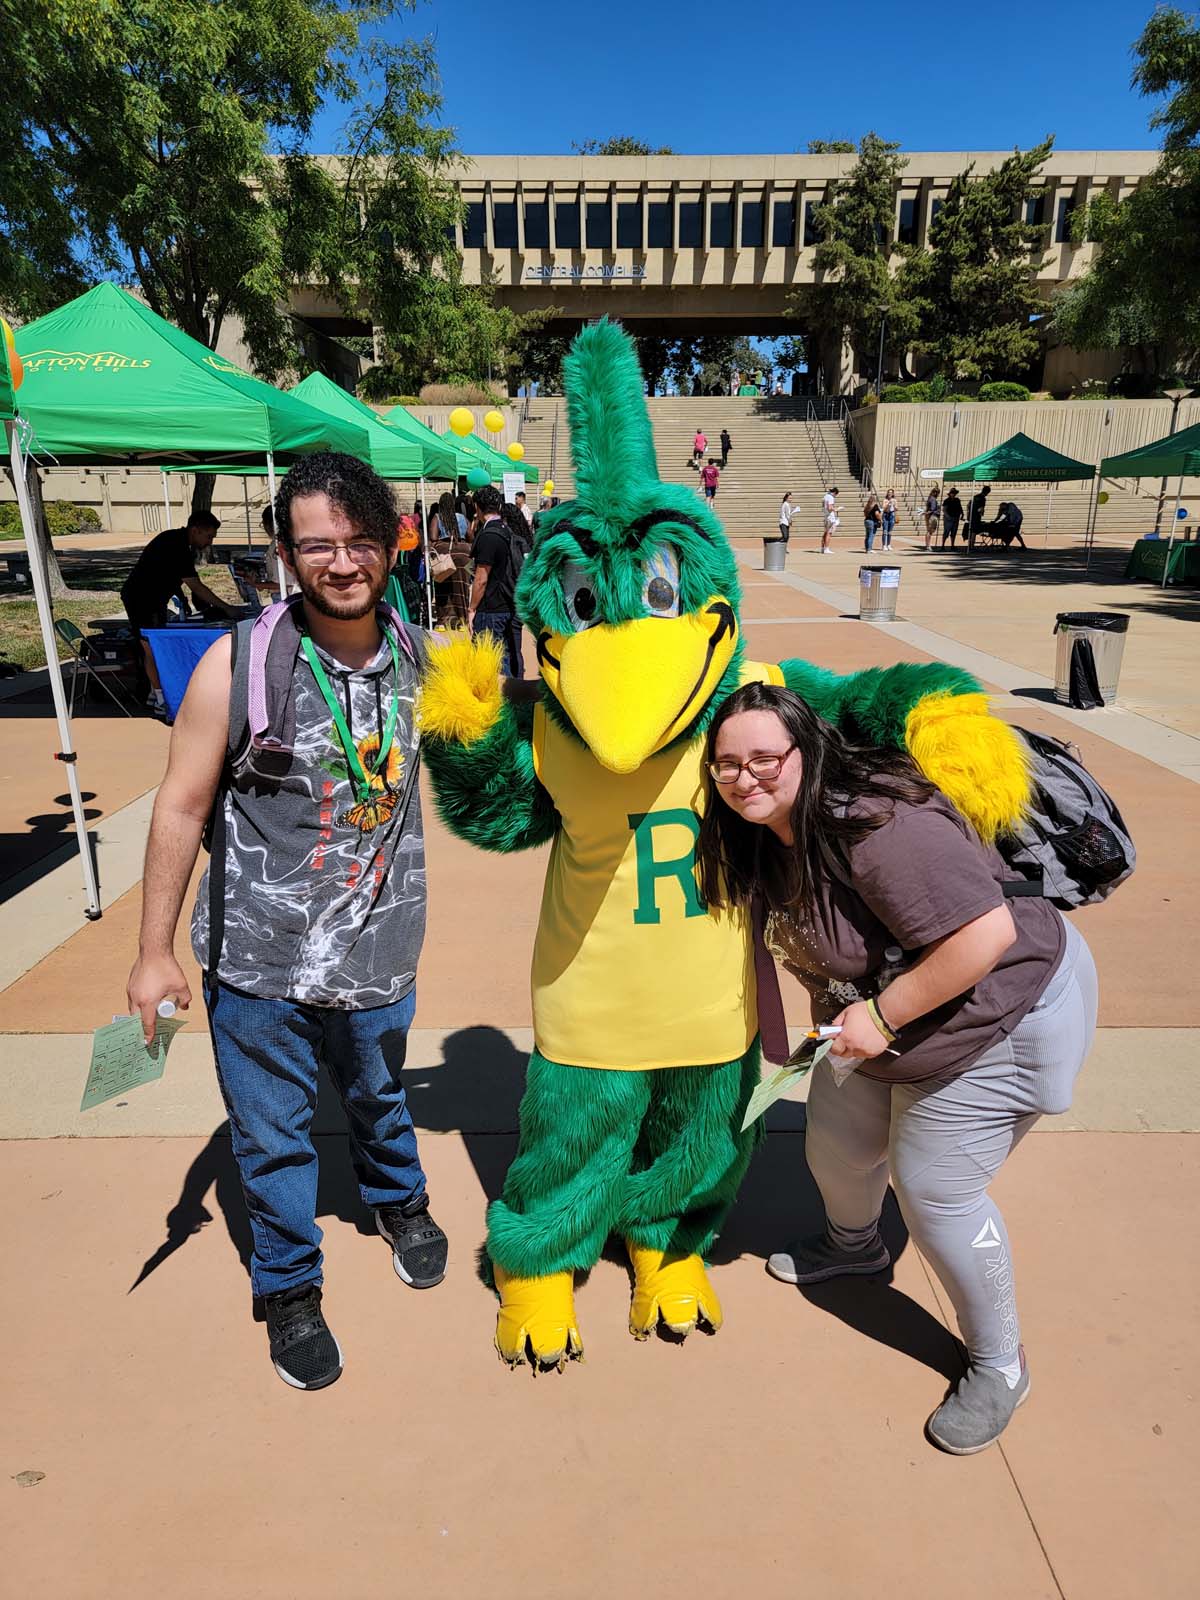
(525,509)
(710,477)
(166,564)
(699,446)
(493,604)
(726,447)
(310,919)
(830,519)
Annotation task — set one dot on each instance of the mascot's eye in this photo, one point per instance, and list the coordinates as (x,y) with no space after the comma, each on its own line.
(580,596)
(660,582)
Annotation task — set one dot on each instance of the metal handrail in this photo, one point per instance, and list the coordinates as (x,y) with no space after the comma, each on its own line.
(820,449)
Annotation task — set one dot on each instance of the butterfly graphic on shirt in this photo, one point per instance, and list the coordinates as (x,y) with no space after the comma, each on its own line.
(380,804)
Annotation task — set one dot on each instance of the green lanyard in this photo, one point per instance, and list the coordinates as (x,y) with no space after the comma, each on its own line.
(359,778)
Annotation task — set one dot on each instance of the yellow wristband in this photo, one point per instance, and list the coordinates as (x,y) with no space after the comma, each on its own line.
(877,1019)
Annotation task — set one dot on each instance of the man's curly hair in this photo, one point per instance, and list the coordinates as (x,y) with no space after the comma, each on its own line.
(359,493)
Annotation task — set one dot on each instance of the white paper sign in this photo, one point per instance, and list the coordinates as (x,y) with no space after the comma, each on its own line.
(514,484)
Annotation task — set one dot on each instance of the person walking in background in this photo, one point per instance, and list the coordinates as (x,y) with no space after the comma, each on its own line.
(699,446)
(952,510)
(493,606)
(309,922)
(786,512)
(726,447)
(933,512)
(964,1016)
(710,477)
(872,521)
(976,511)
(448,538)
(831,522)
(889,517)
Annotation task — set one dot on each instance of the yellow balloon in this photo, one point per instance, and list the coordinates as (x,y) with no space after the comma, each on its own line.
(515,451)
(1102,497)
(548,486)
(494,422)
(462,421)
(15,366)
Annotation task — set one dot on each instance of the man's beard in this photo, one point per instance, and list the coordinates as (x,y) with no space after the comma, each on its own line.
(328,604)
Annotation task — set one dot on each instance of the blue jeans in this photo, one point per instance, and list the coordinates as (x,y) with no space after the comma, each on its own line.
(869,531)
(504,626)
(266,1054)
(889,521)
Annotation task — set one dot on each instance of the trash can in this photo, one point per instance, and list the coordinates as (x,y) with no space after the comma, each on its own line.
(774,555)
(1088,661)
(878,590)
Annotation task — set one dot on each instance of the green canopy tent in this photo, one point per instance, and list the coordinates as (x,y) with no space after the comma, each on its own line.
(1174,455)
(393,455)
(496,462)
(1022,460)
(444,459)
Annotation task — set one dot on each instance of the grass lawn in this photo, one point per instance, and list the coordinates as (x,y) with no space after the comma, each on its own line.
(21,635)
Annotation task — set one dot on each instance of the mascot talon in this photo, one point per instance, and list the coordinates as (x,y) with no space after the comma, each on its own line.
(675,1288)
(537,1315)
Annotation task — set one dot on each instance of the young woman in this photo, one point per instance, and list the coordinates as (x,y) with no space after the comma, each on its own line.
(969,1016)
(786,512)
(448,537)
(889,517)
(872,521)
(933,512)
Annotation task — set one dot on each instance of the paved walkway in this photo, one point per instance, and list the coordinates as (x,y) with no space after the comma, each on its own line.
(782,1457)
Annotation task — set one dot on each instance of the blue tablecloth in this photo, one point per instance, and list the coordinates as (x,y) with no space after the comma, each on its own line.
(176,652)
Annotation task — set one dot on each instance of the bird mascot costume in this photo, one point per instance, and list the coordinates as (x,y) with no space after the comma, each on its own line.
(644,1016)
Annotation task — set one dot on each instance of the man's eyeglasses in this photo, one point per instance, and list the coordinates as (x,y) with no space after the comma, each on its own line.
(764,768)
(318,554)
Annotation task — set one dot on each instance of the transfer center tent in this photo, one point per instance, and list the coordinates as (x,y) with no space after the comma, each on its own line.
(1020,460)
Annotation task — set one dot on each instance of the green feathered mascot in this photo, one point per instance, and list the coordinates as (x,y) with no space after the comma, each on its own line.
(643,999)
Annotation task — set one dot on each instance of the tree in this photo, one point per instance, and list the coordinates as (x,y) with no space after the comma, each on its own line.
(973,291)
(831,147)
(1142,291)
(621,146)
(856,292)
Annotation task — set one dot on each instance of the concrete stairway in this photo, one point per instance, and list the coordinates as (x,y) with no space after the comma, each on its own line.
(771,453)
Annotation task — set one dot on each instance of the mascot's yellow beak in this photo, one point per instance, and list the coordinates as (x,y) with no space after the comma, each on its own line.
(631,687)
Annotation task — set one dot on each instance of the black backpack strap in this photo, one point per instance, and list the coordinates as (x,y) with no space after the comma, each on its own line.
(216,839)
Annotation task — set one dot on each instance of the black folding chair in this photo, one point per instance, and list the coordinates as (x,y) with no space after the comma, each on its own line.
(83,656)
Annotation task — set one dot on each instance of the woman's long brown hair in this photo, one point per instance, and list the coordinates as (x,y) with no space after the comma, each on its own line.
(731,863)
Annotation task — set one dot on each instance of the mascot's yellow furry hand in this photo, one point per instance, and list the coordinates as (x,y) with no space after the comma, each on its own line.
(975,759)
(461,692)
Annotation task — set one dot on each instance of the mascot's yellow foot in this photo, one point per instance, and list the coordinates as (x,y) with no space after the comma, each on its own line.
(538,1315)
(673,1287)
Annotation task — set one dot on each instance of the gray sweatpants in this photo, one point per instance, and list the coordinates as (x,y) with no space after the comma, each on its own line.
(943,1141)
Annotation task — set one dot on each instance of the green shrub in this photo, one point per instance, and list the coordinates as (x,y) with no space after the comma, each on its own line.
(404,400)
(905,393)
(63,518)
(10,521)
(1003,391)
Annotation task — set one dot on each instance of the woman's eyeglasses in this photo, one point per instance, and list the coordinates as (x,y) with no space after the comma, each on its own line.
(319,554)
(763,768)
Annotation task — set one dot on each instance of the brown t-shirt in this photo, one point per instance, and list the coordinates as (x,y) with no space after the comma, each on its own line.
(913,880)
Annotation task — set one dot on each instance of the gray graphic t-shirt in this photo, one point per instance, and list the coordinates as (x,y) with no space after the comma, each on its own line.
(324,894)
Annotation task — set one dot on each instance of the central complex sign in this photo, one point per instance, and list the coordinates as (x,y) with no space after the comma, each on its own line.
(625,274)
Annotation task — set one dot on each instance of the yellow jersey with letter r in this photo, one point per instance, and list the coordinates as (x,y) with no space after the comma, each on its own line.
(630,969)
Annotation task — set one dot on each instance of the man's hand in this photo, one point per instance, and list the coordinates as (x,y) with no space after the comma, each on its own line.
(156,978)
(859,1036)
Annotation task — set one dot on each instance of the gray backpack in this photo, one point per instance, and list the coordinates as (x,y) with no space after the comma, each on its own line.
(1073,847)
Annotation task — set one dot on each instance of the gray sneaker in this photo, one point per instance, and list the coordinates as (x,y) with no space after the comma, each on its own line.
(978,1411)
(817,1259)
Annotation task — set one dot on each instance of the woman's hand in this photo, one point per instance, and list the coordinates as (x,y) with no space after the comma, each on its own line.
(859,1036)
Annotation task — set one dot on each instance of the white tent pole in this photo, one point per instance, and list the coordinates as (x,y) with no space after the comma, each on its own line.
(246,503)
(1089,531)
(279,566)
(66,754)
(166,497)
(1174,525)
(428,563)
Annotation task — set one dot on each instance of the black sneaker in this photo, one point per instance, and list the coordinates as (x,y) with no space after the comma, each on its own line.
(304,1352)
(418,1244)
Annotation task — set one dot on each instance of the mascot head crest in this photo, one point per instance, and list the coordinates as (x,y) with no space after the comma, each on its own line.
(631,591)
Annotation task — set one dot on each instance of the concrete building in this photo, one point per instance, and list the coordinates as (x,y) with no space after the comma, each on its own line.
(714,244)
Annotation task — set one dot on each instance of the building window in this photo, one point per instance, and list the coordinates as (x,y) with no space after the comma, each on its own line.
(566,224)
(783,224)
(691,225)
(537,225)
(752,224)
(935,211)
(599,224)
(1062,227)
(811,236)
(504,224)
(475,226)
(906,231)
(720,224)
(661,233)
(629,225)
(1035,210)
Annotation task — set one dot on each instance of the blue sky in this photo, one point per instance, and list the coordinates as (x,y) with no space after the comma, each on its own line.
(712,78)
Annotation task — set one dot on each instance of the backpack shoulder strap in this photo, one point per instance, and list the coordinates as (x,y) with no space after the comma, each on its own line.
(239,731)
